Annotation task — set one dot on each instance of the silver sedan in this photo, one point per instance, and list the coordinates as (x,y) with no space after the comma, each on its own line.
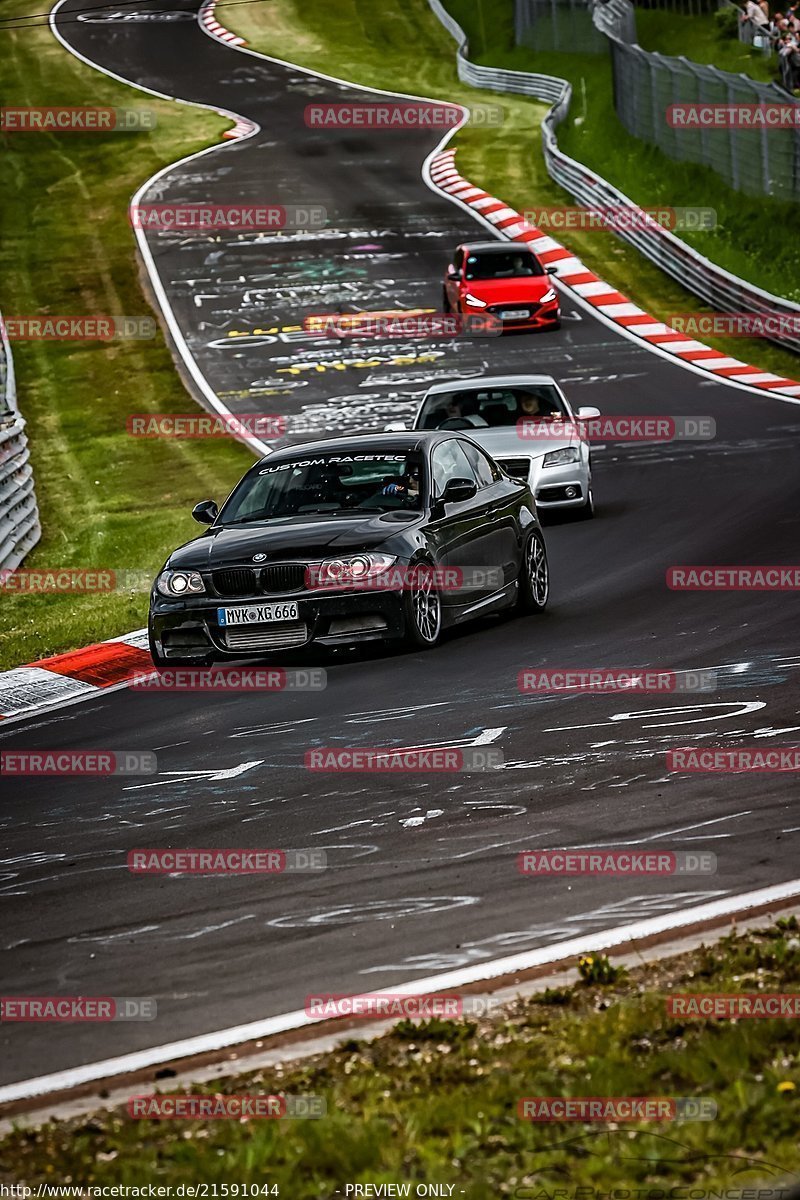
(527,425)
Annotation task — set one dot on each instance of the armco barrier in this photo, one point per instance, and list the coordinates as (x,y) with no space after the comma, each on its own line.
(720,289)
(19,516)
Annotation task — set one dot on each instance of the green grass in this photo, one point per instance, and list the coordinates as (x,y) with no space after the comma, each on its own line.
(751,235)
(404,47)
(66,247)
(698,38)
(438,1102)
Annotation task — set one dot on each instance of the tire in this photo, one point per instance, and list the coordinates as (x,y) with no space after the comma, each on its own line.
(587,510)
(534,576)
(422,608)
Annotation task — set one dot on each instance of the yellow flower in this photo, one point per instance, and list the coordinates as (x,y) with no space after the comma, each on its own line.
(786,1085)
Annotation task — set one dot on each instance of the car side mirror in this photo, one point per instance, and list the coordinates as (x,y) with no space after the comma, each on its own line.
(205,512)
(550,270)
(588,414)
(458,490)
(395,427)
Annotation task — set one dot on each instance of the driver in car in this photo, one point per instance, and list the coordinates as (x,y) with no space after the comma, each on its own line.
(406,487)
(529,405)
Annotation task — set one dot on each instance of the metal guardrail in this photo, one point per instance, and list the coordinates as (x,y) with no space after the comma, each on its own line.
(763,161)
(542,87)
(20,529)
(720,289)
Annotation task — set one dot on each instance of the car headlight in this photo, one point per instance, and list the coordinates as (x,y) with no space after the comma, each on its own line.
(474,302)
(549,295)
(558,458)
(352,571)
(180,583)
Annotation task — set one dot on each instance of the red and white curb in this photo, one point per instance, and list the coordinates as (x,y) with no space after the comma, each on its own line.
(212,26)
(242,127)
(598,295)
(66,678)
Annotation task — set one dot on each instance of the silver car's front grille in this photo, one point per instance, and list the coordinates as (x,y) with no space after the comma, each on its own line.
(518,468)
(278,636)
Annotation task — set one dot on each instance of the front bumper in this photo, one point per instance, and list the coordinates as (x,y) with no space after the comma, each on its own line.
(565,486)
(189,628)
(543,316)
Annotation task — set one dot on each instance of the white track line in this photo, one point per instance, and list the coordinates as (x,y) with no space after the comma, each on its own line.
(512,964)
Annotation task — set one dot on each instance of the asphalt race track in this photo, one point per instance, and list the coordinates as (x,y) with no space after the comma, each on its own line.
(422,869)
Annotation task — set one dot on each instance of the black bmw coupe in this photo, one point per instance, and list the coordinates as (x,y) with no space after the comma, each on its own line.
(383,536)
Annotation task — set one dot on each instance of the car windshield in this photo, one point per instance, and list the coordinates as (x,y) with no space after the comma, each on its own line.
(352,481)
(513,265)
(475,408)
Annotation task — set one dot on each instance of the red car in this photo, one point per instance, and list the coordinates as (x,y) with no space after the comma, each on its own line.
(504,279)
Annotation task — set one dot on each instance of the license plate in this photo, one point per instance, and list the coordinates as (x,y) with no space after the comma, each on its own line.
(257,614)
(513,314)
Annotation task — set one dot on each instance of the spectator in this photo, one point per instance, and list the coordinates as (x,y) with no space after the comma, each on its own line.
(753,12)
(789,63)
(764,6)
(776,28)
(793,61)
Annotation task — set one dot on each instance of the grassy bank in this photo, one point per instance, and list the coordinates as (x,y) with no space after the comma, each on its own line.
(438,1102)
(66,247)
(699,38)
(406,48)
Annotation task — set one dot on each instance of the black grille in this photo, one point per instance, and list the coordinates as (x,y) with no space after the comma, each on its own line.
(518,468)
(271,580)
(238,581)
(526,306)
(283,577)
